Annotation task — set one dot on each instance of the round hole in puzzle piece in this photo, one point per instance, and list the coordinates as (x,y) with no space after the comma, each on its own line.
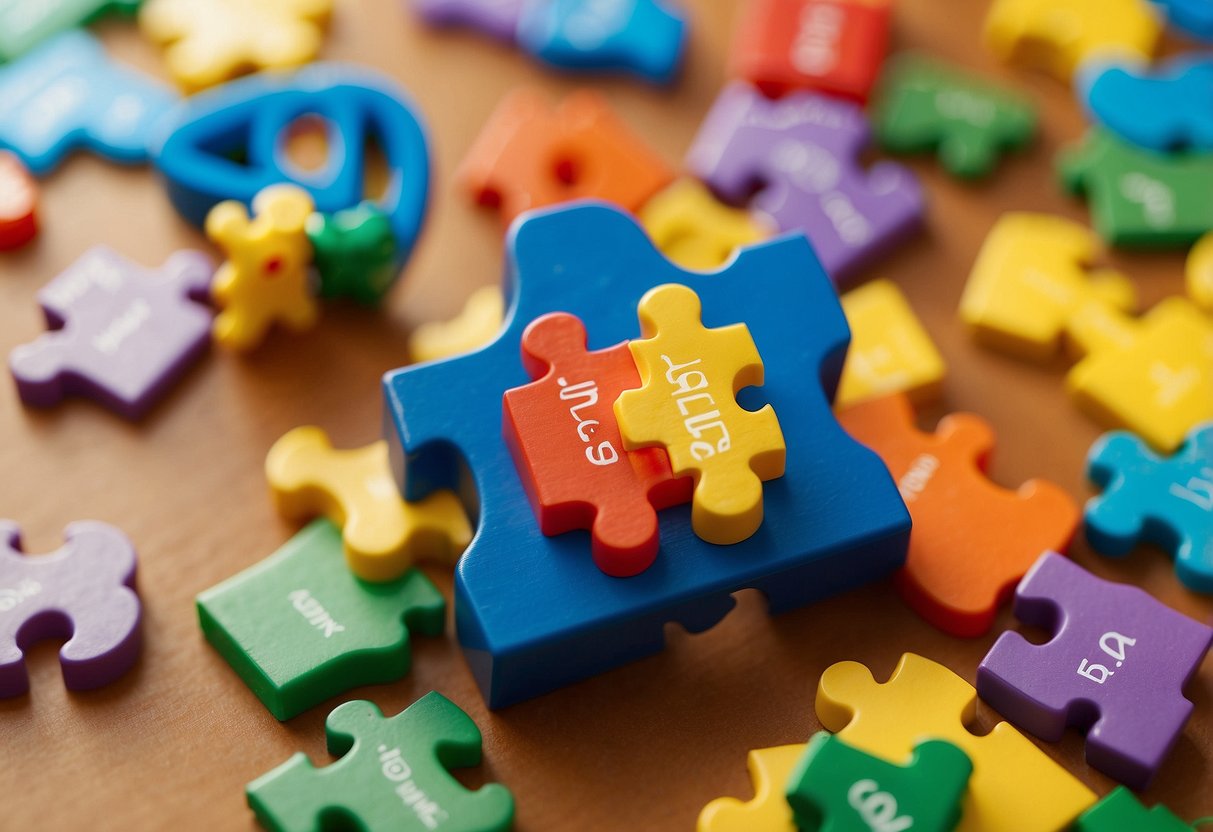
(308,146)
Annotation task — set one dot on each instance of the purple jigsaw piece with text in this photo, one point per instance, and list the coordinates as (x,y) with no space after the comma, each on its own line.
(801,155)
(1116,665)
(498,18)
(84,592)
(119,333)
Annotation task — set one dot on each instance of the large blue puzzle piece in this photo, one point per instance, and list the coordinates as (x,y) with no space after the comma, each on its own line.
(67,93)
(1193,16)
(1166,501)
(642,37)
(534,613)
(1164,109)
(229,143)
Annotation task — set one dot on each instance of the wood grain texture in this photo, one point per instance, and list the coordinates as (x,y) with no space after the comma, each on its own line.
(644,747)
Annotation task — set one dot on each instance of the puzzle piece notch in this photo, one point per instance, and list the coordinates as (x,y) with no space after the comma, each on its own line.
(265,278)
(1115,668)
(567,447)
(768,811)
(1120,811)
(802,152)
(24,26)
(1167,502)
(299,627)
(531,156)
(18,203)
(383,534)
(207,42)
(119,333)
(690,227)
(1014,785)
(393,773)
(83,593)
(496,18)
(1199,273)
(1161,109)
(1030,286)
(925,105)
(728,451)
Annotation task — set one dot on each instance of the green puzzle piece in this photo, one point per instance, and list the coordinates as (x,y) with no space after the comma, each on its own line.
(26,23)
(1120,812)
(1137,197)
(355,253)
(923,105)
(392,775)
(838,788)
(299,627)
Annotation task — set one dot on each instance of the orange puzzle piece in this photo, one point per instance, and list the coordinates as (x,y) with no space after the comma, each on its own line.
(972,540)
(18,203)
(561,429)
(529,156)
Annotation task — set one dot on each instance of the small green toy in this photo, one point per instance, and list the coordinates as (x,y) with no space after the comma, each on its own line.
(392,776)
(1137,197)
(355,252)
(26,23)
(299,627)
(838,788)
(1121,812)
(923,105)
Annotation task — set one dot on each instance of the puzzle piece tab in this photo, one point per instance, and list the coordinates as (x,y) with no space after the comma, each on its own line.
(24,25)
(1121,812)
(770,769)
(119,333)
(497,18)
(837,788)
(689,375)
(18,203)
(299,627)
(1163,109)
(529,156)
(66,94)
(82,594)
(891,351)
(803,150)
(695,231)
(836,47)
(265,278)
(207,42)
(1014,787)
(972,539)
(383,534)
(1058,36)
(822,530)
(925,105)
(473,327)
(1031,281)
(1164,501)
(1115,668)
(1193,16)
(393,775)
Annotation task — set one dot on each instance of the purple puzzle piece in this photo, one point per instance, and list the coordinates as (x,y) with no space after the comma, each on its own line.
(498,18)
(84,592)
(801,155)
(120,333)
(1117,664)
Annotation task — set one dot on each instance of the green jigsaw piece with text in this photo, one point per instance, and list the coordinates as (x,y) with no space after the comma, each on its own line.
(1121,812)
(392,776)
(26,23)
(355,253)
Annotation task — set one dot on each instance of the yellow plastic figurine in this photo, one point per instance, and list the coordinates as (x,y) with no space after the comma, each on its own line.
(690,227)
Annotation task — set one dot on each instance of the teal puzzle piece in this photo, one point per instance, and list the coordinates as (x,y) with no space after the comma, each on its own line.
(1163,109)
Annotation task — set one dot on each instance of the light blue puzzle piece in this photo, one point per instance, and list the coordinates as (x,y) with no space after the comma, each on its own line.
(1164,109)
(641,37)
(534,613)
(66,94)
(26,23)
(1193,16)
(1166,501)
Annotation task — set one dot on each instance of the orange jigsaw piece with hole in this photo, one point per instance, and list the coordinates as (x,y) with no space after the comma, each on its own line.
(972,540)
(18,203)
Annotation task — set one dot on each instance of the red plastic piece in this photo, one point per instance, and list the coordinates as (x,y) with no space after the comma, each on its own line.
(831,46)
(561,429)
(18,203)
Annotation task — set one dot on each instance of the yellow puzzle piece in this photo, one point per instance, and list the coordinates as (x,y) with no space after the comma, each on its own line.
(208,42)
(384,535)
(1059,35)
(890,350)
(1029,283)
(1014,787)
(693,229)
(689,377)
(1200,272)
(474,327)
(265,278)
(770,769)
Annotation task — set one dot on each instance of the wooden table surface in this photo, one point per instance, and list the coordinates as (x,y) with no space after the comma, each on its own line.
(173,743)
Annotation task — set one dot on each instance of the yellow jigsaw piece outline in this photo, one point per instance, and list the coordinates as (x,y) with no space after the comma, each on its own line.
(384,534)
(1015,787)
(768,811)
(251,300)
(208,42)
(693,414)
(475,326)
(696,231)
(890,352)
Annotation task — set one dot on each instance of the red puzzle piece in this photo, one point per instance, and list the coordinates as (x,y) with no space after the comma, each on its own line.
(972,540)
(18,203)
(561,429)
